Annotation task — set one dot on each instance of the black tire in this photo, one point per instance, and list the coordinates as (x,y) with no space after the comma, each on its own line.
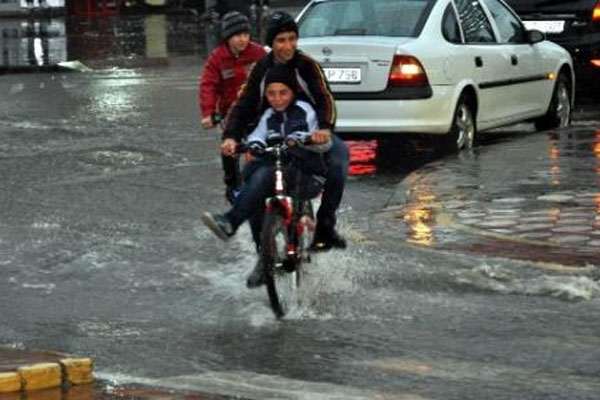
(463,131)
(281,278)
(559,111)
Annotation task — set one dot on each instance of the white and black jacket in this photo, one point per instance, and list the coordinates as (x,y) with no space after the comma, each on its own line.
(300,120)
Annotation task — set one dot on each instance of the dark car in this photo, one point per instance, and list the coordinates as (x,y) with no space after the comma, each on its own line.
(575,25)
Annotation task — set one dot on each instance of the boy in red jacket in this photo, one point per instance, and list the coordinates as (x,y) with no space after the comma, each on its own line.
(224,73)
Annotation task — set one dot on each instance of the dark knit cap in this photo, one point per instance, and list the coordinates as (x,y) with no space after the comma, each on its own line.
(232,23)
(281,73)
(277,23)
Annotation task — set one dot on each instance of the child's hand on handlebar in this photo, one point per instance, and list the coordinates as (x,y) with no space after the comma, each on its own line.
(256,148)
(228,147)
(321,136)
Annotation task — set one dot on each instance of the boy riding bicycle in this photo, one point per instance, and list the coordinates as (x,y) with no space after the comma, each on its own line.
(289,117)
(281,34)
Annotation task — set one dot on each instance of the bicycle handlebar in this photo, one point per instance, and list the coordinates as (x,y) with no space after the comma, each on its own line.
(257,148)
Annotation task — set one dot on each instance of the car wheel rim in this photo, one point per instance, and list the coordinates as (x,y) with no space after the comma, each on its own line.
(563,106)
(465,127)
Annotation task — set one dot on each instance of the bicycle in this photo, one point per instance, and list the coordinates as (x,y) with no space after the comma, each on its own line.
(288,226)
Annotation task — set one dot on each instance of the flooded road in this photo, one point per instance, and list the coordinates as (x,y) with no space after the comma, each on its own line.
(104,173)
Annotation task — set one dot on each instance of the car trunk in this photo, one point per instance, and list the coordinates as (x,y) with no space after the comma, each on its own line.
(342,57)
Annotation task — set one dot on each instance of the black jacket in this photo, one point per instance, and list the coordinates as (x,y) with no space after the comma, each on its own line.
(250,105)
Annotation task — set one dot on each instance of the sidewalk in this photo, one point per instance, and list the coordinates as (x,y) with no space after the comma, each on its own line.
(44,375)
(11,359)
(533,197)
(28,370)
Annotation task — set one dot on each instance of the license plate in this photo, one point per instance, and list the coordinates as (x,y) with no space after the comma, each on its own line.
(342,75)
(546,26)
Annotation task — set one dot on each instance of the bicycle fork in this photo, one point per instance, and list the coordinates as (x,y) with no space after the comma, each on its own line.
(282,203)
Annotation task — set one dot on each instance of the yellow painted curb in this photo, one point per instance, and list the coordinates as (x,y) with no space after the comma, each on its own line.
(40,376)
(10,382)
(77,370)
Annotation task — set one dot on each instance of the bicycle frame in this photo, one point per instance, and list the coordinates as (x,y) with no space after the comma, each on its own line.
(285,204)
(287,230)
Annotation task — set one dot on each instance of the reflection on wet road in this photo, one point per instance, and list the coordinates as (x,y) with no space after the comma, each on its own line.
(32,42)
(103,42)
(362,157)
(539,202)
(126,41)
(389,155)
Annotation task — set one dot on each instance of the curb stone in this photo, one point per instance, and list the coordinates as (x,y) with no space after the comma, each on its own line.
(66,372)
(10,382)
(77,371)
(40,376)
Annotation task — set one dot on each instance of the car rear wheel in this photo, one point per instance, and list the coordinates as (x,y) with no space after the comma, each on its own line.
(559,110)
(463,131)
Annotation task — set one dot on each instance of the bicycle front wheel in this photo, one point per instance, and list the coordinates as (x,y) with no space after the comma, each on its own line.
(282,278)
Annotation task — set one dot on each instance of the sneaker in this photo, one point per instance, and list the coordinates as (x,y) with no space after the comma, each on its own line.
(257,276)
(219,224)
(231,194)
(326,239)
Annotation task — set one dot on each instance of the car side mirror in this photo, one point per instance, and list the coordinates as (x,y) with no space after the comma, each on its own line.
(534,36)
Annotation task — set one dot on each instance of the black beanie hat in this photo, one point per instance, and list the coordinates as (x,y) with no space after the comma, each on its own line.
(279,22)
(282,74)
(233,23)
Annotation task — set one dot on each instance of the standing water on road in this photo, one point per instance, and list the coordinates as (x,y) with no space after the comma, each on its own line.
(110,42)
(104,174)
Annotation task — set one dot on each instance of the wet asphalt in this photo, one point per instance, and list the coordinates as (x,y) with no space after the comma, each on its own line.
(534,198)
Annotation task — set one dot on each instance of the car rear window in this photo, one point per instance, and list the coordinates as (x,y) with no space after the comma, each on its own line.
(363,18)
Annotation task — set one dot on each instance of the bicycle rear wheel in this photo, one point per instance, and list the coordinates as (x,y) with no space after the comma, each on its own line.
(282,279)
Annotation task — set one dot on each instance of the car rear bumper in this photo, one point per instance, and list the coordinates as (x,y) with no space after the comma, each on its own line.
(432,115)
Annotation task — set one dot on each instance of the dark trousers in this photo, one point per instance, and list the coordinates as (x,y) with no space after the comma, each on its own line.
(259,181)
(339,159)
(231,171)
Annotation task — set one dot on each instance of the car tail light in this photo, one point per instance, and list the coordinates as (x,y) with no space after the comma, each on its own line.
(407,71)
(595,62)
(596,12)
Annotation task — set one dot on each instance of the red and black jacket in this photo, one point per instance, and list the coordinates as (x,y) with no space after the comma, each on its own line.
(223,75)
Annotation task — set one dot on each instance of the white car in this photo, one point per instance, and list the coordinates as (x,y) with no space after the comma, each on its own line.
(446,67)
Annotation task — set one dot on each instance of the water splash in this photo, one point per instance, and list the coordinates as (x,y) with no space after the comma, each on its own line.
(502,280)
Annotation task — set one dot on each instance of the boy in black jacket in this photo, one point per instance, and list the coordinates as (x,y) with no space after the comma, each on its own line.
(291,118)
(282,36)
